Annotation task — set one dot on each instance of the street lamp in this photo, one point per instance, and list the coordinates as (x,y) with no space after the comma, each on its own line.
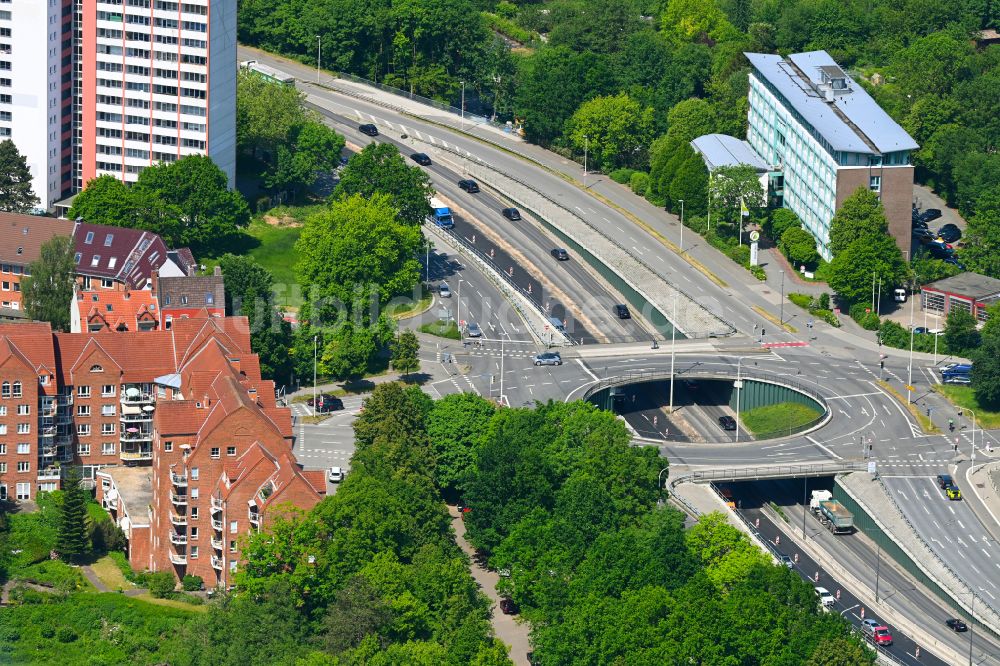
(739,388)
(659,484)
(501,368)
(315,348)
(782,317)
(586,145)
(709,226)
(909,371)
(673,347)
(682,225)
(973,434)
(463,105)
(458,313)
(319,54)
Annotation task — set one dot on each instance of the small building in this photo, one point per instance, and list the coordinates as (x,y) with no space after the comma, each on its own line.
(969,291)
(126,494)
(21,240)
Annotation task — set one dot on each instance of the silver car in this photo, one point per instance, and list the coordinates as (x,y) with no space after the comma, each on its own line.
(548,358)
(444,291)
(473,331)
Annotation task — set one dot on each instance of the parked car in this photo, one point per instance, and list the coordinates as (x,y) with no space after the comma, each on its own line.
(919,330)
(727,422)
(825,597)
(508,606)
(368,129)
(328,403)
(560,254)
(622,311)
(511,214)
(421,159)
(469,186)
(955,624)
(950,233)
(930,215)
(473,330)
(336,475)
(444,291)
(548,358)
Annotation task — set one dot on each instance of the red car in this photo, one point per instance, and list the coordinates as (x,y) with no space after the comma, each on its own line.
(508,606)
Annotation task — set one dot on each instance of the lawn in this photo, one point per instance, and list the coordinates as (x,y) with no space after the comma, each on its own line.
(109,573)
(965,397)
(774,419)
(410,308)
(443,330)
(173,603)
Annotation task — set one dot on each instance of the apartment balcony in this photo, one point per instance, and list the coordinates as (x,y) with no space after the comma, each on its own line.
(64,400)
(254,517)
(217,525)
(136,435)
(217,563)
(49,451)
(216,504)
(179,539)
(49,410)
(64,419)
(179,559)
(141,417)
(65,454)
(134,456)
(178,479)
(178,500)
(48,431)
(134,396)
(178,519)
(49,474)
(217,543)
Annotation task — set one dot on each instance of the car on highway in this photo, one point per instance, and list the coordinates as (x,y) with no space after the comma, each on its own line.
(955,624)
(421,158)
(953,492)
(444,291)
(511,214)
(369,129)
(945,480)
(328,403)
(508,606)
(560,254)
(336,475)
(950,233)
(727,422)
(825,598)
(785,561)
(876,631)
(622,311)
(469,186)
(473,330)
(548,358)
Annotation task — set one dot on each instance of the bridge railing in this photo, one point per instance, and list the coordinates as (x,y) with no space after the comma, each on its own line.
(771,472)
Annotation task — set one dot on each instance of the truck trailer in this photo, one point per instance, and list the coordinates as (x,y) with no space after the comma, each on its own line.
(831,513)
(440,214)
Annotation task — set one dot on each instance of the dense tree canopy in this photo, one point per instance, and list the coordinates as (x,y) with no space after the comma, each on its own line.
(16,195)
(379,168)
(47,290)
(614,130)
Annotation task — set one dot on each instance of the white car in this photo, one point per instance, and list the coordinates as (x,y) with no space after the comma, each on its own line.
(825,597)
(336,475)
(444,291)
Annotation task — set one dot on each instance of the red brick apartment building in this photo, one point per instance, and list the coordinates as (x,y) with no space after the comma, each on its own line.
(176,428)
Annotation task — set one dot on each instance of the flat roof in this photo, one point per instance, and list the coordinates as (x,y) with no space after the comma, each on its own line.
(972,285)
(135,487)
(853,122)
(720,150)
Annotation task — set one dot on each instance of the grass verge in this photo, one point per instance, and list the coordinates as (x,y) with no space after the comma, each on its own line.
(172,603)
(110,574)
(964,397)
(925,423)
(56,573)
(774,320)
(442,330)
(778,510)
(399,312)
(783,417)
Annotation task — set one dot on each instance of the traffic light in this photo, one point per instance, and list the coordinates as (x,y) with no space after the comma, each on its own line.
(762,332)
(881,365)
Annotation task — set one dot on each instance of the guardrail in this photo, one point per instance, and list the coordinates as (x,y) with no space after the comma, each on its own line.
(469,117)
(730,329)
(770,472)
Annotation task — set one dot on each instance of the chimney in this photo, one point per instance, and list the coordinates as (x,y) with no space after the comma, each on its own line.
(154,280)
(218,271)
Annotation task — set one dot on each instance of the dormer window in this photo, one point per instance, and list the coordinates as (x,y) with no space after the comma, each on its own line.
(90,238)
(95,260)
(266,490)
(96,368)
(20,250)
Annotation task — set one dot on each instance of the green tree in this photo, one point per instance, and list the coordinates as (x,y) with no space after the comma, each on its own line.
(358,246)
(690,185)
(933,64)
(48,290)
(72,542)
(246,282)
(456,427)
(311,149)
(733,187)
(695,20)
(782,219)
(986,370)
(379,169)
(991,329)
(198,189)
(850,272)
(266,113)
(860,217)
(404,353)
(840,652)
(107,200)
(799,246)
(615,130)
(16,195)
(981,252)
(690,119)
(960,333)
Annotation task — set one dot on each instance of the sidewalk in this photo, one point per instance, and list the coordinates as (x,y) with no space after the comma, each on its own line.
(513,633)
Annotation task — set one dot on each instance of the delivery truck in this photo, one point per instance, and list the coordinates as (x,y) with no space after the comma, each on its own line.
(440,214)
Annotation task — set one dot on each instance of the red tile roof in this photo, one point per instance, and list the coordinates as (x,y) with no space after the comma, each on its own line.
(117,309)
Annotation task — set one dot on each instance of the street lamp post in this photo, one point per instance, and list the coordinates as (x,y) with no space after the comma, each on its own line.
(973,435)
(659,485)
(458,312)
(909,371)
(501,370)
(739,389)
(805,503)
(673,347)
(709,225)
(782,317)
(315,348)
(319,54)
(878,566)
(463,105)
(586,145)
(972,621)
(682,225)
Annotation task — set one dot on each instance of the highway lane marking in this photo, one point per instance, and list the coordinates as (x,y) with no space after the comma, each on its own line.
(829,451)
(586,369)
(855,395)
(637,250)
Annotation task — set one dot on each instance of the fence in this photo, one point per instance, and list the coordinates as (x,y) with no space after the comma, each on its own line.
(421,99)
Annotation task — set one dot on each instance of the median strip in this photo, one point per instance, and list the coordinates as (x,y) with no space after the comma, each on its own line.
(774,320)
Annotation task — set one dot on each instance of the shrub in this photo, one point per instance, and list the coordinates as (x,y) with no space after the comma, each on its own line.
(867,320)
(639,182)
(781,220)
(137,577)
(759,273)
(623,176)
(802,300)
(66,635)
(161,584)
(192,583)
(48,631)
(824,301)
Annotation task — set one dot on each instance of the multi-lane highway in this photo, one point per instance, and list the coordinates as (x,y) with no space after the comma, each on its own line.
(840,365)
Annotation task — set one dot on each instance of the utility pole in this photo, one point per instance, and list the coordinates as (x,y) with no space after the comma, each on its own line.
(682,225)
(673,348)
(319,54)
(805,503)
(315,348)
(501,370)
(739,389)
(909,371)
(782,318)
(709,226)
(586,145)
(463,105)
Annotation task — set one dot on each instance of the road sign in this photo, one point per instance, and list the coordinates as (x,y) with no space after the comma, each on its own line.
(754,236)
(738,384)
(871,467)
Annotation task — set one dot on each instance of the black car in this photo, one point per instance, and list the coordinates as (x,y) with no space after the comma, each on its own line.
(945,480)
(368,129)
(930,215)
(469,186)
(950,233)
(939,251)
(622,311)
(508,606)
(727,422)
(421,159)
(511,214)
(560,254)
(328,403)
(956,625)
